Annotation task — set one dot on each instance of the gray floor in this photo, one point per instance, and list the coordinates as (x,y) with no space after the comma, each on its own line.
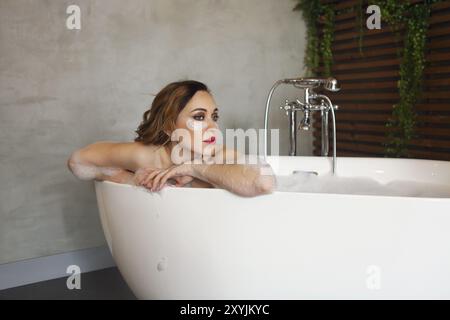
(101,284)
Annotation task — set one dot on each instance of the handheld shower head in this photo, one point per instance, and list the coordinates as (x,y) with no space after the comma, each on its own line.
(331,85)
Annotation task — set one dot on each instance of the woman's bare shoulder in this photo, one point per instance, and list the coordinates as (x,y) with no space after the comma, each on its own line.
(106,153)
(147,155)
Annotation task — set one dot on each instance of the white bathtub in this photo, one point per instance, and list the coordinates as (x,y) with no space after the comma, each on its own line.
(187,243)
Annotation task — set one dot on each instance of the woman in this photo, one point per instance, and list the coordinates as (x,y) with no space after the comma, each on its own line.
(153,160)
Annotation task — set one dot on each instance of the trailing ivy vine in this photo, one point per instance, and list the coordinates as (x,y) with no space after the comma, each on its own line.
(414,20)
(327,40)
(410,23)
(314,11)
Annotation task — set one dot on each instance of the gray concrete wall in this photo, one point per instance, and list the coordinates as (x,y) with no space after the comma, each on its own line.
(62,89)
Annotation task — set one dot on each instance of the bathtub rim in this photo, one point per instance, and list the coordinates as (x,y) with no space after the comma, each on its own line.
(312,194)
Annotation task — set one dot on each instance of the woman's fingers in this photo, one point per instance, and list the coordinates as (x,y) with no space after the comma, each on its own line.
(139,176)
(159,179)
(180,173)
(164,178)
(155,179)
(145,176)
(148,182)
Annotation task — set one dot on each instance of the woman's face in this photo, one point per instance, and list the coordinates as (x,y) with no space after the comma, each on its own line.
(199,121)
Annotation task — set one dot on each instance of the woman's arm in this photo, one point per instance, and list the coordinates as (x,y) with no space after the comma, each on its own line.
(113,161)
(120,176)
(125,155)
(85,171)
(247,178)
(243,179)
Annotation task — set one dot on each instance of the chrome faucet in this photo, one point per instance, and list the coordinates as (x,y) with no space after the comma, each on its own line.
(312,102)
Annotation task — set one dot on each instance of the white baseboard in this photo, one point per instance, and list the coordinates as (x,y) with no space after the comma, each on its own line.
(29,271)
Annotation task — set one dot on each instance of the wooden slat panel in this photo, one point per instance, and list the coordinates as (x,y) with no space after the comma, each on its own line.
(431,85)
(437,94)
(342,5)
(344,16)
(441,31)
(438,119)
(436,7)
(354,34)
(354,96)
(368,75)
(348,150)
(362,117)
(437,82)
(365,64)
(439,18)
(438,56)
(438,43)
(355,55)
(387,107)
(345,116)
(379,128)
(345,153)
(368,42)
(440,5)
(379,149)
(437,69)
(349,24)
(355,146)
(369,86)
(380,139)
(365,96)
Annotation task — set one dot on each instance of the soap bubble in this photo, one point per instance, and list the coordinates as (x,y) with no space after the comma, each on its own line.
(328,183)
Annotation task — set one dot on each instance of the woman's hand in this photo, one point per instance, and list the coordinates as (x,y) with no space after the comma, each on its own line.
(155,178)
(118,175)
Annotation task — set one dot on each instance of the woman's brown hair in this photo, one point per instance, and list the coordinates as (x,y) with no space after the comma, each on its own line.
(165,108)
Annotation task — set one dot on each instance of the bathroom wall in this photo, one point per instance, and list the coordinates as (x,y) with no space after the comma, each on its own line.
(62,89)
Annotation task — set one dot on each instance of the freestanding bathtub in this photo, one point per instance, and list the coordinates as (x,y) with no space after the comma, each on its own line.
(188,243)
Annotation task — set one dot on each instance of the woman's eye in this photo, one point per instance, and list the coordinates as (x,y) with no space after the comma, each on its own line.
(199,117)
(202,117)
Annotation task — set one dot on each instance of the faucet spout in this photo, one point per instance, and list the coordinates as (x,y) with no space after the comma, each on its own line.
(306,122)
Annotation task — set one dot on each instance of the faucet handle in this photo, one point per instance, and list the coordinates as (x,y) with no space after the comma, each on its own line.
(288,106)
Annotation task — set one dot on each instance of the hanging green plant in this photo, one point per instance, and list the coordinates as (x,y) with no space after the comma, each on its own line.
(414,19)
(409,22)
(316,50)
(327,40)
(410,84)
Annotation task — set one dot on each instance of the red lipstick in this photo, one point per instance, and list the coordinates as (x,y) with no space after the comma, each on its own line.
(210,140)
